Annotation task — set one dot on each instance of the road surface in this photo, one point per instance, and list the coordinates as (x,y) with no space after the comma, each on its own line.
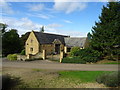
(50,65)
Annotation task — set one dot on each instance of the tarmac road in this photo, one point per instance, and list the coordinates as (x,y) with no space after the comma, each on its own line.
(50,65)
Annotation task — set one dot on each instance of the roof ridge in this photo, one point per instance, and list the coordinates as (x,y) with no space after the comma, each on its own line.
(51,33)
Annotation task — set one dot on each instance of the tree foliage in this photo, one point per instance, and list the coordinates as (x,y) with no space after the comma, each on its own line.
(106,32)
(11,42)
(23,39)
(2,31)
(88,39)
(88,54)
(3,27)
(42,29)
(74,50)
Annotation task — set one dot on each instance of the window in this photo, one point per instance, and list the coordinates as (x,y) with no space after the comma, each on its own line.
(31,49)
(81,44)
(31,40)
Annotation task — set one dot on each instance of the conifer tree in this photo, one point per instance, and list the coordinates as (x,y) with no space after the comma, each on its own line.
(106,32)
(42,29)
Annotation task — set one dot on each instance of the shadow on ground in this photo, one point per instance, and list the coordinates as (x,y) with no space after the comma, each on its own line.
(11,82)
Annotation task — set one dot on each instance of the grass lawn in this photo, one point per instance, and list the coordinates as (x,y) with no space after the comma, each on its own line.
(83,76)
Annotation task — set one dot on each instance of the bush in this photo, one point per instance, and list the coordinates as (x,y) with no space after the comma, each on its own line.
(23,52)
(87,55)
(12,57)
(109,79)
(73,60)
(74,50)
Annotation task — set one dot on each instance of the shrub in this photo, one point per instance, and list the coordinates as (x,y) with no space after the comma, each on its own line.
(74,50)
(23,52)
(12,57)
(73,60)
(87,54)
(109,79)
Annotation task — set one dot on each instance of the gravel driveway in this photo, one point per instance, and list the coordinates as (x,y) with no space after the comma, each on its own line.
(50,65)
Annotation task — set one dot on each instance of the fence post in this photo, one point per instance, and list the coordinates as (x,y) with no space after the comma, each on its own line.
(44,54)
(61,56)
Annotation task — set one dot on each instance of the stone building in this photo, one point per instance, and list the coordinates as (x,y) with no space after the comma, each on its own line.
(39,42)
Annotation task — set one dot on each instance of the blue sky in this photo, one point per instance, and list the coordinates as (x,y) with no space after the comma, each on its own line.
(68,18)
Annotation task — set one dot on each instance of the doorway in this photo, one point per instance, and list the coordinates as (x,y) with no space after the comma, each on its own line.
(57,48)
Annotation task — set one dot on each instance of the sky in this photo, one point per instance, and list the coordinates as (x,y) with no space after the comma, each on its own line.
(75,19)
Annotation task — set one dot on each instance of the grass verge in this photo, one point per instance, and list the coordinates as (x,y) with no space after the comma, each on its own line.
(112,63)
(83,76)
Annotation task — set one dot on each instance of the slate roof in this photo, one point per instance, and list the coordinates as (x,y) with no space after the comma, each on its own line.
(71,42)
(47,38)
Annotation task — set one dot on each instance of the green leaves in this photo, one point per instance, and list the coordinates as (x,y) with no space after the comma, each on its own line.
(105,33)
(11,42)
(74,50)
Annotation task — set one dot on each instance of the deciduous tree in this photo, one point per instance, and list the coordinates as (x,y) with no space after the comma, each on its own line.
(11,42)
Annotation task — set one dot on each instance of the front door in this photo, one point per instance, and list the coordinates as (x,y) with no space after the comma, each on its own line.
(57,48)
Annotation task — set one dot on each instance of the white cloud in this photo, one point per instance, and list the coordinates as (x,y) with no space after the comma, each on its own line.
(77,34)
(52,28)
(54,25)
(67,21)
(22,25)
(35,7)
(69,7)
(73,33)
(6,8)
(43,16)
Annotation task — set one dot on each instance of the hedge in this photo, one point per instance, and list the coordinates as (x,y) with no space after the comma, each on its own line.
(73,60)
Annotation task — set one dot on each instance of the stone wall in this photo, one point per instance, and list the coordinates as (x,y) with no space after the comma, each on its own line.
(53,57)
(32,42)
(21,57)
(48,47)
